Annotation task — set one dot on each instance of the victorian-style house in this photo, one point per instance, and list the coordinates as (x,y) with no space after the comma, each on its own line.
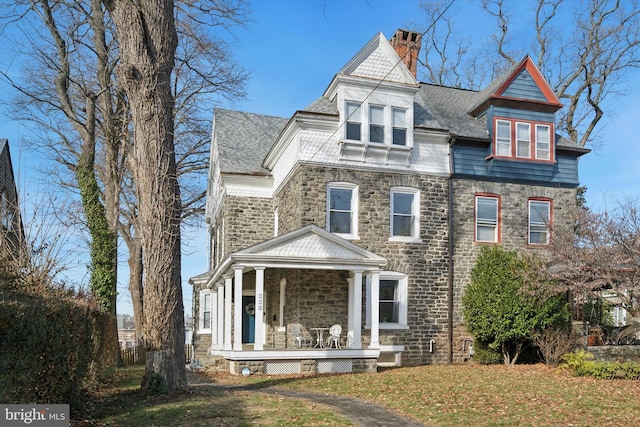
(341,238)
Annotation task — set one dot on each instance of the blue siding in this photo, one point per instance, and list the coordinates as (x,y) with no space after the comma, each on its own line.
(470,162)
(534,116)
(524,87)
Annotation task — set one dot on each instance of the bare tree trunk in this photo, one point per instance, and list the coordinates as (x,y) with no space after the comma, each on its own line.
(147,37)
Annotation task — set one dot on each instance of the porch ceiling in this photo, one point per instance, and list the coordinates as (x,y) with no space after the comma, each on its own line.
(309,247)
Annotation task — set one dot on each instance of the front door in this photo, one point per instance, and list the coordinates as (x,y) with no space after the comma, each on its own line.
(248,319)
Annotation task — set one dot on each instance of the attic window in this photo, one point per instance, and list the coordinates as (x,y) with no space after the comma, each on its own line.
(354,121)
(522,140)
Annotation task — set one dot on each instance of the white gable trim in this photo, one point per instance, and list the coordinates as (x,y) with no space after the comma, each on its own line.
(379,41)
(300,249)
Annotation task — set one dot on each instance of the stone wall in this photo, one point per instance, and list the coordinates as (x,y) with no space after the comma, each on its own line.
(616,353)
(247,221)
(303,202)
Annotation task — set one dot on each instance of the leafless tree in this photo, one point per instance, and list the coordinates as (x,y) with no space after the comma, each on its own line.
(148,39)
(585,58)
(204,71)
(600,254)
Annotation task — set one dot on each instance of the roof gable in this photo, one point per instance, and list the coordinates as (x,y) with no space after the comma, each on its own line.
(523,82)
(378,60)
(310,243)
(527,74)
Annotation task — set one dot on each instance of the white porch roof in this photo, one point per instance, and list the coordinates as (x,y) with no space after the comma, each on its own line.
(309,247)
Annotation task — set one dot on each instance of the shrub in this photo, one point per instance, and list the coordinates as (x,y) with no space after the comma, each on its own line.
(50,346)
(485,355)
(498,308)
(583,364)
(553,343)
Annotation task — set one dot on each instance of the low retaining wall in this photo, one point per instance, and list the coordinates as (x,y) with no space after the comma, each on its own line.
(616,353)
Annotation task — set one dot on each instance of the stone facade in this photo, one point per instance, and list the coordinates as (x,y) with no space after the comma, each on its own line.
(513,230)
(303,201)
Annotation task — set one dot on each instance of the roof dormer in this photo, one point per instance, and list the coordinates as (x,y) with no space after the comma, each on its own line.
(374,95)
(521,87)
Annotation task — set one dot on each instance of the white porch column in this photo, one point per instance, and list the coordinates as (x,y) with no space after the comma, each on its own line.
(220,324)
(283,287)
(355,310)
(259,334)
(227,312)
(375,310)
(215,338)
(350,306)
(237,309)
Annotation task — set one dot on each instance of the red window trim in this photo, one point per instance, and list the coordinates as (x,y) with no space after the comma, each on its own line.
(475,218)
(539,199)
(533,141)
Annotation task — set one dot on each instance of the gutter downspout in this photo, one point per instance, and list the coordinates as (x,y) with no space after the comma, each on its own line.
(450,249)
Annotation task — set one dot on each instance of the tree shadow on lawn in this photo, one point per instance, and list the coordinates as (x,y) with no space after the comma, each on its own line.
(206,406)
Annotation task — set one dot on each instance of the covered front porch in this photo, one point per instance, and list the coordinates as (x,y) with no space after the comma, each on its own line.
(271,306)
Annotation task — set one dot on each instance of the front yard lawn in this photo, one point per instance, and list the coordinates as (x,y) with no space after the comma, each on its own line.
(436,395)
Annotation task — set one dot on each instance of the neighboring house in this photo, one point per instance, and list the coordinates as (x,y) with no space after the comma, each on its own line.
(367,209)
(12,229)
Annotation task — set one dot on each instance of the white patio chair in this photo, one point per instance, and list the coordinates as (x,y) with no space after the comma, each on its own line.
(334,336)
(297,335)
(349,339)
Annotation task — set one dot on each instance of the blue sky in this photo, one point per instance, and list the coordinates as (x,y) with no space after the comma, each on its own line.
(293,48)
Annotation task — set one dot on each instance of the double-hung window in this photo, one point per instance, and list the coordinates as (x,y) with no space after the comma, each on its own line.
(487,219)
(543,142)
(342,209)
(376,124)
(503,138)
(392,300)
(206,310)
(405,208)
(354,121)
(523,140)
(389,304)
(399,123)
(539,222)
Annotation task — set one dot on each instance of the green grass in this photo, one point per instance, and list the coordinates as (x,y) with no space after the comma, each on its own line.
(121,403)
(436,395)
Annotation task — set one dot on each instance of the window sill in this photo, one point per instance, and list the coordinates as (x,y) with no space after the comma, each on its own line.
(403,239)
(204,331)
(348,236)
(476,242)
(519,159)
(397,326)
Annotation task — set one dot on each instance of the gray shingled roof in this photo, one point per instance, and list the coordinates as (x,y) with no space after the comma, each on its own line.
(244,139)
(322,105)
(449,107)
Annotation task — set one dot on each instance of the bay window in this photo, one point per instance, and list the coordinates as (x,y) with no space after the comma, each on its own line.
(522,139)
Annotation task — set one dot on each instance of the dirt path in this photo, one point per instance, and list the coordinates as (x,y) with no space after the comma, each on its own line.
(359,412)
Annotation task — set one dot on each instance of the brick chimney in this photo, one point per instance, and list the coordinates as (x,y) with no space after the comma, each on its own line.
(407,45)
